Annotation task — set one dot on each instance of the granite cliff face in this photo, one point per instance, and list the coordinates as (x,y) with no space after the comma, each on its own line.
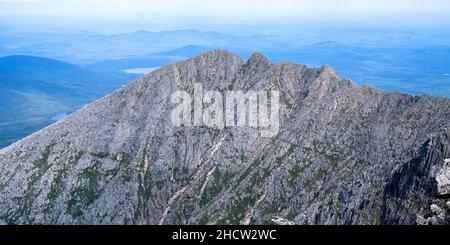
(345,154)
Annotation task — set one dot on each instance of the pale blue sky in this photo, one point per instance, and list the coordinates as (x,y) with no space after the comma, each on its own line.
(220,7)
(157,14)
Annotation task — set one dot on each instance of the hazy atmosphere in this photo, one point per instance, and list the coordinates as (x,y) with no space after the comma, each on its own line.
(130,15)
(226,112)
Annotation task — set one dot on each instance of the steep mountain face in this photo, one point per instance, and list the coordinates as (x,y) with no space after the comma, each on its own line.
(345,154)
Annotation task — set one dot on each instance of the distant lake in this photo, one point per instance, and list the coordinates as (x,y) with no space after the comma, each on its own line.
(59,117)
(143,70)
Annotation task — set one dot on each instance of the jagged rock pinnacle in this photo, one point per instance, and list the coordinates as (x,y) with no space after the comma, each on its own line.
(258,58)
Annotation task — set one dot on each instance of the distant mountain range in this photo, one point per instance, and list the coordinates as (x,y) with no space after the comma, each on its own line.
(344,154)
(33,90)
(85,48)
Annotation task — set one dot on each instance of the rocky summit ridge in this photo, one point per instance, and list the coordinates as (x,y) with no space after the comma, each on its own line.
(345,154)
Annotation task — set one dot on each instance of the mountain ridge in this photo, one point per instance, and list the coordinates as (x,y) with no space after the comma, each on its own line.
(340,151)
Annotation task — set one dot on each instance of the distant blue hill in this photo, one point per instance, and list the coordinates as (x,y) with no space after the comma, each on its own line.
(33,90)
(25,62)
(186,51)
